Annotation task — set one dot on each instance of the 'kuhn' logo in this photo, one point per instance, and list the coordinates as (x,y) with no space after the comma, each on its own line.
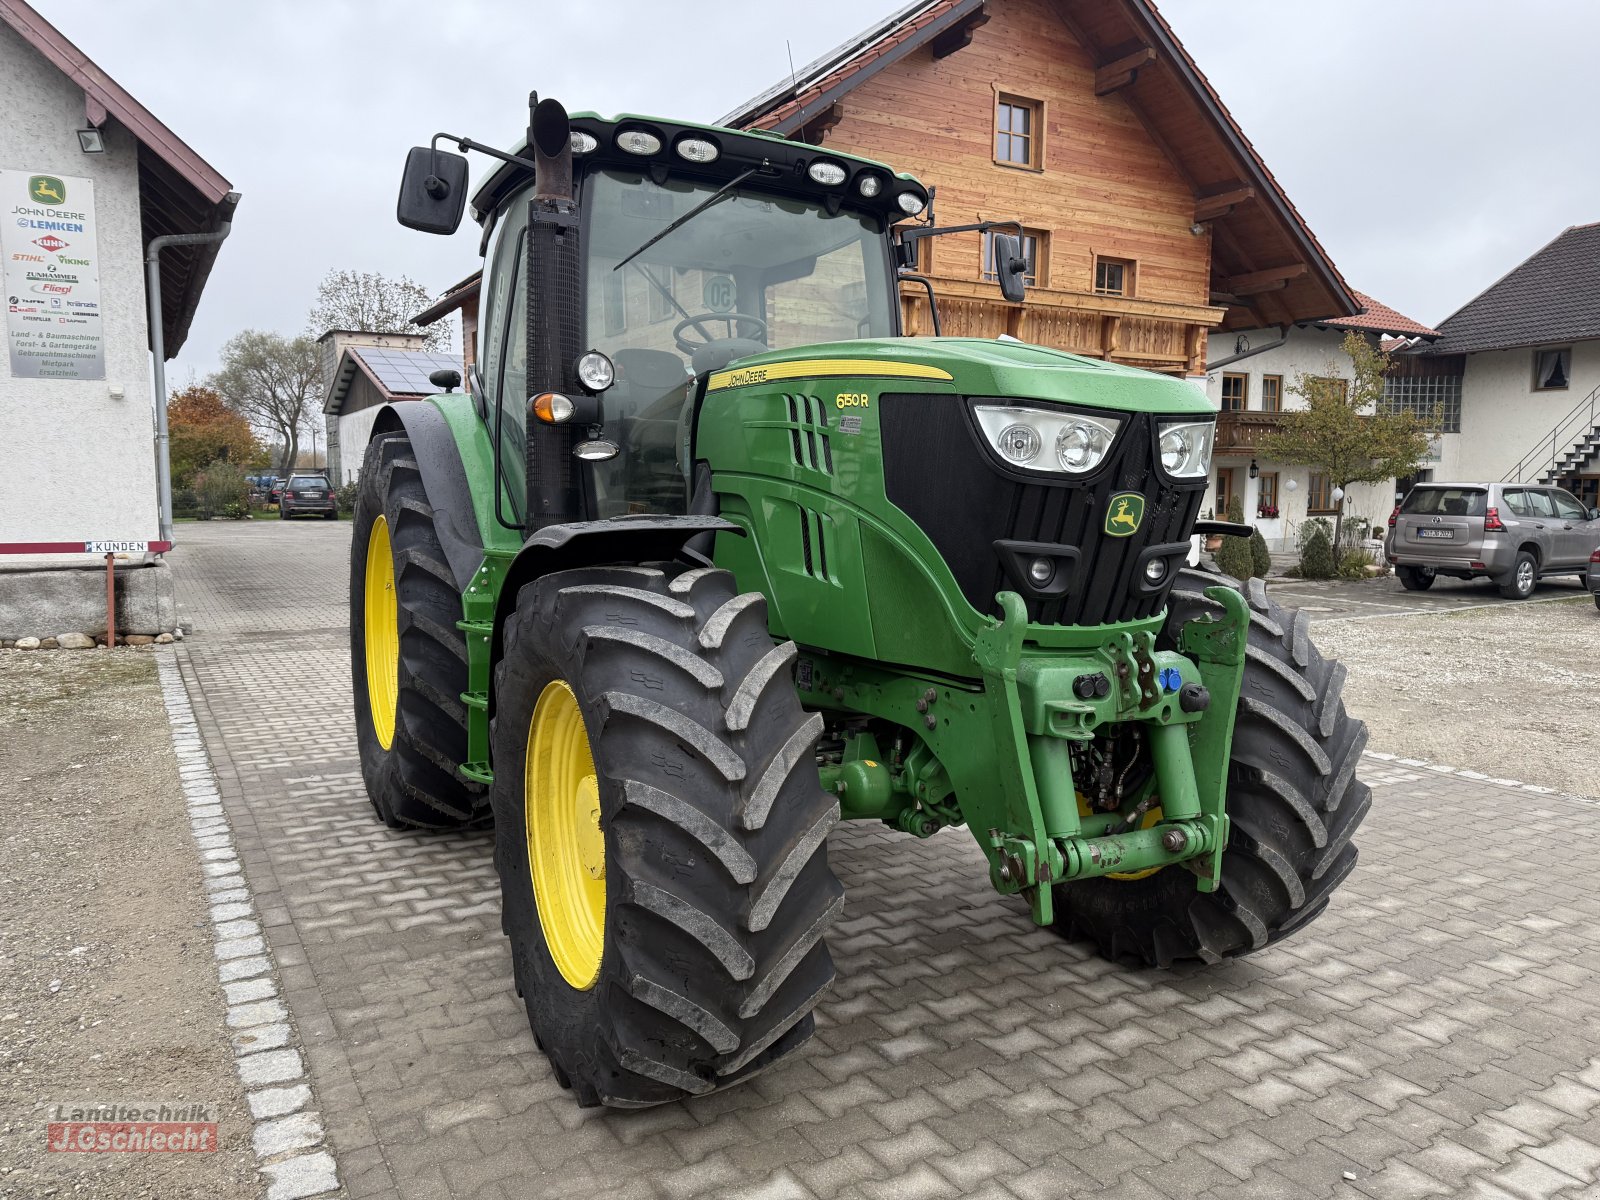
(47,189)
(1124,514)
(51,243)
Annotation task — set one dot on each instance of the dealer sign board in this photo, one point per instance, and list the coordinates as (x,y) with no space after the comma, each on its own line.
(51,276)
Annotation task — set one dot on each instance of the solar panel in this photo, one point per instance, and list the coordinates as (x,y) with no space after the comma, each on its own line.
(405,372)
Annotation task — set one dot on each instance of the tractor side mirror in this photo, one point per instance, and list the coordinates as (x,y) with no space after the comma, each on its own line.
(433,191)
(1009,265)
(445,378)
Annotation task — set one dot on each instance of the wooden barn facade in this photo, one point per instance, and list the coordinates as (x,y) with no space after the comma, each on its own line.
(1149,219)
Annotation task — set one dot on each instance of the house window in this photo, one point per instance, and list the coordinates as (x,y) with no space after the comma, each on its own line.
(660,291)
(1113,276)
(615,296)
(1433,400)
(1234,389)
(1272,394)
(1319,493)
(1016,132)
(1552,369)
(1322,386)
(1267,495)
(1224,492)
(1034,244)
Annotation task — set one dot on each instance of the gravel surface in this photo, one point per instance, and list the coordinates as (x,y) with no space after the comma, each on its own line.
(108,991)
(1507,689)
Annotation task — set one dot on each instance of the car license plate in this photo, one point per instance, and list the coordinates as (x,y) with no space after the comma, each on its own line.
(311,495)
(1443,534)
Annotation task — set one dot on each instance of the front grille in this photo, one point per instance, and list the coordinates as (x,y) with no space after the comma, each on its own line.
(938,474)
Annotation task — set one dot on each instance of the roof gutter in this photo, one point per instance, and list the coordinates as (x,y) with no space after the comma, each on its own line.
(1250,353)
(158,348)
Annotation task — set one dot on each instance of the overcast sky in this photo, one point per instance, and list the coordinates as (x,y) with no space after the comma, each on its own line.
(1431,144)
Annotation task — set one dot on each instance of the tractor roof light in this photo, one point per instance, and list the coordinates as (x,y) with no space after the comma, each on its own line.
(697,150)
(828,174)
(552,408)
(869,185)
(595,371)
(638,141)
(910,203)
(583,143)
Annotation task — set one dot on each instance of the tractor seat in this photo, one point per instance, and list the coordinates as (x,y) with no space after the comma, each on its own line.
(713,356)
(643,377)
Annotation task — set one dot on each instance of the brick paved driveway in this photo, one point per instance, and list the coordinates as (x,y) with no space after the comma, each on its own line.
(1434,1034)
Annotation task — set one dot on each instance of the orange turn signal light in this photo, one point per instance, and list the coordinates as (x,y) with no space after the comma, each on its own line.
(552,408)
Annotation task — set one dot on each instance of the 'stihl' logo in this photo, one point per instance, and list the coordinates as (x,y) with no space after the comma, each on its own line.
(1125,514)
(47,189)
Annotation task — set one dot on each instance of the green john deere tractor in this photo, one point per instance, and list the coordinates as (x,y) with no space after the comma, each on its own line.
(706,556)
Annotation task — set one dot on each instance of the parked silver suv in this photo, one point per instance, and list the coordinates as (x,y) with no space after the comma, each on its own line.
(1512,533)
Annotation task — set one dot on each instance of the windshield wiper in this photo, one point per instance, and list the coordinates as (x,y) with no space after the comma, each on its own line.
(692,213)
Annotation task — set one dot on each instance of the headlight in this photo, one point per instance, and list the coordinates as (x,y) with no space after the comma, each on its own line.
(1186,447)
(697,150)
(595,371)
(910,203)
(869,186)
(828,174)
(582,143)
(1080,442)
(638,141)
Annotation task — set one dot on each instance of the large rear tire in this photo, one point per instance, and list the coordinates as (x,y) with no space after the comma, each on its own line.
(660,833)
(408,660)
(1294,803)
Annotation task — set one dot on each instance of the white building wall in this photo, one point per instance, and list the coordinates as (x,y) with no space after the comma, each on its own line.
(355,429)
(1304,352)
(1503,419)
(74,462)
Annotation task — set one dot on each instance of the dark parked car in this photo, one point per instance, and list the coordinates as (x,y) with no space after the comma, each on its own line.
(274,491)
(1593,577)
(308,495)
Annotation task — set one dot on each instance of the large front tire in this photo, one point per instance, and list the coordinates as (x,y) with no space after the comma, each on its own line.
(1294,803)
(408,660)
(660,833)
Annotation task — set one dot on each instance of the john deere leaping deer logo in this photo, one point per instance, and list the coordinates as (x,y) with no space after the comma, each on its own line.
(1124,514)
(47,189)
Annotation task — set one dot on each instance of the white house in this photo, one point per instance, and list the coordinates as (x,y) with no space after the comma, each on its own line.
(1525,358)
(88,178)
(1251,377)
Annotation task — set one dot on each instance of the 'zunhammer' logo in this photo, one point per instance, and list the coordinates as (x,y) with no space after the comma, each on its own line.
(1124,514)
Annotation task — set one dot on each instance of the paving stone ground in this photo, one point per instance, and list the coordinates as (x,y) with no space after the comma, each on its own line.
(1437,1032)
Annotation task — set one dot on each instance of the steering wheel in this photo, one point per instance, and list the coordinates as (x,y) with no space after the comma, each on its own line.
(695,322)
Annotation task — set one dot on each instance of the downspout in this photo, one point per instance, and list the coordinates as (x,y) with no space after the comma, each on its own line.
(158,345)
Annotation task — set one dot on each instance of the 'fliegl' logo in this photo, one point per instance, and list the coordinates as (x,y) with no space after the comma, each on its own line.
(1125,514)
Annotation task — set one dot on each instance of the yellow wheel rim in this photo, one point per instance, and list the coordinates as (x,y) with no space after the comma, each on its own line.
(1150,818)
(566,847)
(381,633)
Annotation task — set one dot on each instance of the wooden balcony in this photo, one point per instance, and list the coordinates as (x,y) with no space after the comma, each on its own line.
(1241,432)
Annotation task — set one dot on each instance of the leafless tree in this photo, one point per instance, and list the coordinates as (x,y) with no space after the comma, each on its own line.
(276,382)
(366,300)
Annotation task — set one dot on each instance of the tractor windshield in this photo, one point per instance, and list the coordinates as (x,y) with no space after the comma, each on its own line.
(755,271)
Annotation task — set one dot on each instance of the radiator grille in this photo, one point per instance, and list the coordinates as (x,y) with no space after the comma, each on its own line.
(939,475)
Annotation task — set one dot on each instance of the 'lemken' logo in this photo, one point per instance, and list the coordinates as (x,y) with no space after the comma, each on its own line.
(47,189)
(1124,514)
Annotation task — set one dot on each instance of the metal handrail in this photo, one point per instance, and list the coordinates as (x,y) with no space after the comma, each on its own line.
(1584,411)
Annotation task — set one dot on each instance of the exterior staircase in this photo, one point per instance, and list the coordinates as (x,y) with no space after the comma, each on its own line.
(1564,450)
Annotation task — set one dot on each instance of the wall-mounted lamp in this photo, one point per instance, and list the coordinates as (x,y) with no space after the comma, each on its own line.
(91,140)
(1255,471)
(1197,229)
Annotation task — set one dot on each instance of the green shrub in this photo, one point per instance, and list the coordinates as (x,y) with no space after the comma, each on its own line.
(1233,557)
(1236,510)
(1260,556)
(219,487)
(1311,526)
(1354,563)
(345,498)
(1316,556)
